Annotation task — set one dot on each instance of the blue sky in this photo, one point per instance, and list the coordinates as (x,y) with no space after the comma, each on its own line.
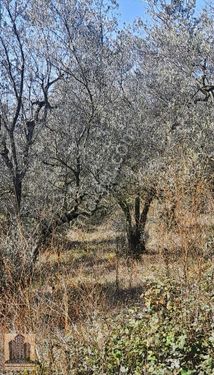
(130,9)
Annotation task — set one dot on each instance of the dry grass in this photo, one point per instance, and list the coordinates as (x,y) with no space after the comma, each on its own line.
(77,286)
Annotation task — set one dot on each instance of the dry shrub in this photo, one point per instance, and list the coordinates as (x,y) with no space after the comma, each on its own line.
(15,260)
(186,215)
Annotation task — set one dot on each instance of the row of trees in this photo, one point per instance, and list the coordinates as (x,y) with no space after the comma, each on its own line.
(89,110)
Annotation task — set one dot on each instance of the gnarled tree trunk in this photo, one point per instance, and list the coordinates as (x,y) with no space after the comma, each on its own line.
(136,223)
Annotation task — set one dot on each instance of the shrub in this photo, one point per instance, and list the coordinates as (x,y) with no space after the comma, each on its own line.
(172,333)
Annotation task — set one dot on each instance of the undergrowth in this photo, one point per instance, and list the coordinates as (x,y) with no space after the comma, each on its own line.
(169,332)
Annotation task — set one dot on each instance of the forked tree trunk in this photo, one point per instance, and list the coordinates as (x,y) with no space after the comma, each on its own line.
(136,229)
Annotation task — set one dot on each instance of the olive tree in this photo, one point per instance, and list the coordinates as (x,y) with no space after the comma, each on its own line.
(64,110)
(174,74)
(27,76)
(83,147)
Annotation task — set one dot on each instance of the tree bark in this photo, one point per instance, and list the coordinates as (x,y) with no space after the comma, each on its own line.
(18,192)
(136,230)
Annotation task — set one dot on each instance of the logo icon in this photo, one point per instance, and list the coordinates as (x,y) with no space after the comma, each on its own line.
(19,351)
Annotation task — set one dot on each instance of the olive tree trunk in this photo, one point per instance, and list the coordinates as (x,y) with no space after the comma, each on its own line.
(136,223)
